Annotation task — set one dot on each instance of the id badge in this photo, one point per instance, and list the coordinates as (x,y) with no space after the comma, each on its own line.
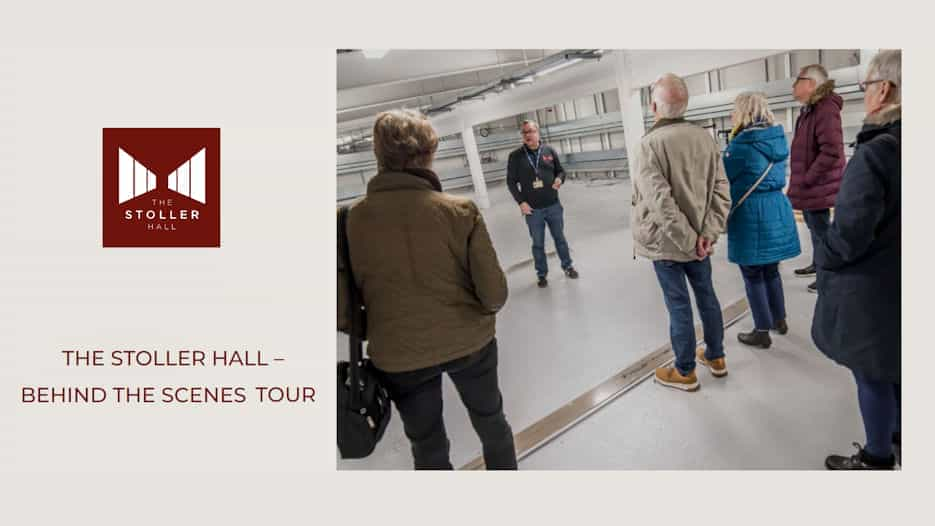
(537,183)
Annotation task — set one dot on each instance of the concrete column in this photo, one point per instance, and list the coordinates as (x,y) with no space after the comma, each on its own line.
(477,174)
(631,109)
(866,55)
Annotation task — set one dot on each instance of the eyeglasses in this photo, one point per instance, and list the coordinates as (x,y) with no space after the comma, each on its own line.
(863,85)
(797,79)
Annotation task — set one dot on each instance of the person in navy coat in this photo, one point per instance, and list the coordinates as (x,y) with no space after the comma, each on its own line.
(761,229)
(857,316)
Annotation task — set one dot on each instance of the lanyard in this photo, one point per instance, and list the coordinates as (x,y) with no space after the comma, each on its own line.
(529,158)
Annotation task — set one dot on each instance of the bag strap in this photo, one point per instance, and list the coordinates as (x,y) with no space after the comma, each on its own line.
(750,191)
(354,307)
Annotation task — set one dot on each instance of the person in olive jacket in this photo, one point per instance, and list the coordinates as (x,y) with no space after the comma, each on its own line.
(857,316)
(432,286)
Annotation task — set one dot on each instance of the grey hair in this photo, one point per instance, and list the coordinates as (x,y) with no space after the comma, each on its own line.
(528,121)
(670,94)
(816,72)
(887,65)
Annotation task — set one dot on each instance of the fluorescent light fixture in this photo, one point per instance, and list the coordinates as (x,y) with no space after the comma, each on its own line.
(556,67)
(375,53)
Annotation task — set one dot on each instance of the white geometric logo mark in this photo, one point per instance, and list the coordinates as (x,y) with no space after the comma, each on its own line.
(135,179)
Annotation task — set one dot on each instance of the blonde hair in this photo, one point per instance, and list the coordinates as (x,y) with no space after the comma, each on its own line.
(888,65)
(751,107)
(403,139)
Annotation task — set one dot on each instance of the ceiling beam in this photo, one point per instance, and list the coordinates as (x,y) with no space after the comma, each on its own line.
(441,74)
(591,77)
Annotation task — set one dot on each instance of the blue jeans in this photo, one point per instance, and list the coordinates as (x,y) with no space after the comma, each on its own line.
(764,293)
(817,222)
(671,275)
(881,408)
(554,217)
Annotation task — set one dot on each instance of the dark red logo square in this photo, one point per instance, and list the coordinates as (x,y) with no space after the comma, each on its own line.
(162,187)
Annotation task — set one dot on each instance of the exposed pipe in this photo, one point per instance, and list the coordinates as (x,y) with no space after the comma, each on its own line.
(544,67)
(446,74)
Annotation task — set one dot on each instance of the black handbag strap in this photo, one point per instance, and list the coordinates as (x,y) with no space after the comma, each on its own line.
(354,310)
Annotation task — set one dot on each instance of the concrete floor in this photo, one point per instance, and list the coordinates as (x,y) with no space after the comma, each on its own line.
(782,408)
(558,342)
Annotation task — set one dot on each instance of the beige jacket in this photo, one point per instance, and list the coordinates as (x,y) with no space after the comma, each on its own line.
(680,192)
(428,272)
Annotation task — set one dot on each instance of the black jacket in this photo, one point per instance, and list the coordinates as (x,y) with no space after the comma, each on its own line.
(520,176)
(857,316)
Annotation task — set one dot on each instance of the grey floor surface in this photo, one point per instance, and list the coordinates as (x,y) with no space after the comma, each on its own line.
(774,410)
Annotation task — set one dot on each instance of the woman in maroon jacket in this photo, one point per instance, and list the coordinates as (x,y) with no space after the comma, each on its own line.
(817,153)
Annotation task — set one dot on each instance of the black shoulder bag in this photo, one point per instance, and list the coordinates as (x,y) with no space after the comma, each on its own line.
(363,404)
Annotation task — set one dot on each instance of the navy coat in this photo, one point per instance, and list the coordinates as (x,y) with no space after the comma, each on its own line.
(857,315)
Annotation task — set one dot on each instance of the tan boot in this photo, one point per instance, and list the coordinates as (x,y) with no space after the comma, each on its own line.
(717,367)
(670,377)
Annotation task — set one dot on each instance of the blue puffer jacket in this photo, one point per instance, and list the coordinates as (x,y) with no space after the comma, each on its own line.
(762,230)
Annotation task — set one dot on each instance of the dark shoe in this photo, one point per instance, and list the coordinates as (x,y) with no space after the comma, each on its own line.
(805,272)
(860,461)
(813,287)
(755,338)
(543,283)
(781,327)
(571,272)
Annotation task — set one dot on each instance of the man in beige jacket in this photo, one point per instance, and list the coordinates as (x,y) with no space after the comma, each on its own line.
(681,199)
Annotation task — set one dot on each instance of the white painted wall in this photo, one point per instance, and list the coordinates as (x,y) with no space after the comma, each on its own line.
(581,103)
(591,77)
(741,75)
(697,84)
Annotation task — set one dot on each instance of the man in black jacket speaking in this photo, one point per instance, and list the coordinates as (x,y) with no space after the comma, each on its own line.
(534,175)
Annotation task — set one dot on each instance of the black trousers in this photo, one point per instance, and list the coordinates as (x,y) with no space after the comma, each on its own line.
(418,398)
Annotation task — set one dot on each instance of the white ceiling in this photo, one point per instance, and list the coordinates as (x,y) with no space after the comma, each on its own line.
(417,78)
(380,84)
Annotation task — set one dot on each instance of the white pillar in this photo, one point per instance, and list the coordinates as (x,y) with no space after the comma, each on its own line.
(631,109)
(477,174)
(866,55)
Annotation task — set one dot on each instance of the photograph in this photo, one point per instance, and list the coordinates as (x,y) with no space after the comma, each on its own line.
(575,259)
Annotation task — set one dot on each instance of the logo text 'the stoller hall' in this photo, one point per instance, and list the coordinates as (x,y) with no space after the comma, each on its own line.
(162,187)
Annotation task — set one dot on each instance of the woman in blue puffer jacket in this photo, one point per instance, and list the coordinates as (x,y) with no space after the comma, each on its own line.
(761,229)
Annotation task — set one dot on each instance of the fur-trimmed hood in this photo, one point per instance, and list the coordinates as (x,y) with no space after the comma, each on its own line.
(823,90)
(887,115)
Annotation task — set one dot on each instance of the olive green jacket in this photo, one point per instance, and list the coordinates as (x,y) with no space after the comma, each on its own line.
(428,272)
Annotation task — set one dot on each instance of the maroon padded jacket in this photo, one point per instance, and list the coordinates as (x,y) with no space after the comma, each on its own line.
(817,153)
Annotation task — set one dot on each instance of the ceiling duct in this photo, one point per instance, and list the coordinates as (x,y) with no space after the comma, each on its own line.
(546,66)
(550,64)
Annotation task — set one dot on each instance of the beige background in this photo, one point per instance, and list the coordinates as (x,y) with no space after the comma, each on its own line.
(271,284)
